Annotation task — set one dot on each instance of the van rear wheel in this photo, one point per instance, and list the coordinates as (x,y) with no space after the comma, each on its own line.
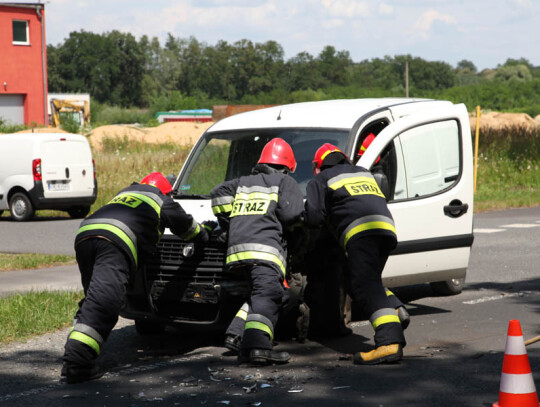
(20,207)
(77,212)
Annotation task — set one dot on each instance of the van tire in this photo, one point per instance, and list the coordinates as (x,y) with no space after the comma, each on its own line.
(78,212)
(21,207)
(148,327)
(450,287)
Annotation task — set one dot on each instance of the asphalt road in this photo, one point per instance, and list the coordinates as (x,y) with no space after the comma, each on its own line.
(453,358)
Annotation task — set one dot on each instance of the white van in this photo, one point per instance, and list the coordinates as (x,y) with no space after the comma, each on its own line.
(46,171)
(421,157)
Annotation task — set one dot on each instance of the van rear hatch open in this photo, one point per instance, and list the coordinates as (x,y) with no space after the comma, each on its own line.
(67,168)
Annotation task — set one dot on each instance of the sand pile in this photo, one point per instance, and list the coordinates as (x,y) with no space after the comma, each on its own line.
(184,133)
(43,130)
(498,120)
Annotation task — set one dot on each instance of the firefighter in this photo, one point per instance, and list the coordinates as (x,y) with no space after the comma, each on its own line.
(365,144)
(349,200)
(256,210)
(394,300)
(109,246)
(293,311)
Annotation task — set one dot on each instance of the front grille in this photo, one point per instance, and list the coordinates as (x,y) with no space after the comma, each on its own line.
(205,265)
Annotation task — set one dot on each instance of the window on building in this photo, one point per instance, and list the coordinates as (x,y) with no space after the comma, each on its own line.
(20,32)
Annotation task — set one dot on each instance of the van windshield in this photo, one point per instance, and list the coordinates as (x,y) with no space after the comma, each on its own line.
(227,155)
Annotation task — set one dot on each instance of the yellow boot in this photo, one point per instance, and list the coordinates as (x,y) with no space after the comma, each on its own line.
(383,354)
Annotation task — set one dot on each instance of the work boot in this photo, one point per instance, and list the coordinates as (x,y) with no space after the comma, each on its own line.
(383,354)
(232,342)
(263,357)
(78,374)
(404,317)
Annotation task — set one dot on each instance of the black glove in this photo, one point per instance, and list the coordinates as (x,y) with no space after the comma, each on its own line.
(222,237)
(209,225)
(202,236)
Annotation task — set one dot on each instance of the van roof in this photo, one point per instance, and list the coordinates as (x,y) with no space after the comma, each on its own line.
(42,136)
(341,113)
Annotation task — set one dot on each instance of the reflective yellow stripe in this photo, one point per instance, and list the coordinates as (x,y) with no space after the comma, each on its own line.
(326,153)
(368,226)
(241,314)
(192,235)
(260,326)
(351,180)
(385,319)
(87,340)
(221,208)
(144,198)
(256,195)
(117,231)
(149,201)
(256,256)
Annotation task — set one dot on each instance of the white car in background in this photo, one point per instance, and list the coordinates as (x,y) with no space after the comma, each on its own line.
(46,171)
(421,157)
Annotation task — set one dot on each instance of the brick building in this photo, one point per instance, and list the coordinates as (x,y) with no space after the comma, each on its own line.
(23,63)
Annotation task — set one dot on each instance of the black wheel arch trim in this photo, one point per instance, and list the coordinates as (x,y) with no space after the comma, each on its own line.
(438,243)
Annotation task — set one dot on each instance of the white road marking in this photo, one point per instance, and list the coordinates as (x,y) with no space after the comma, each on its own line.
(520,225)
(496,297)
(487,230)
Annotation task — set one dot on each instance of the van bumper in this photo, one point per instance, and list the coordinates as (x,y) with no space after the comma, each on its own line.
(40,202)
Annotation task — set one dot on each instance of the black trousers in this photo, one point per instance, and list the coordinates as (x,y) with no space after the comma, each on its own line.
(265,301)
(366,258)
(288,302)
(105,274)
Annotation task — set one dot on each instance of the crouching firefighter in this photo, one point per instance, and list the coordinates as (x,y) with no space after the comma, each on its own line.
(109,246)
(256,209)
(349,200)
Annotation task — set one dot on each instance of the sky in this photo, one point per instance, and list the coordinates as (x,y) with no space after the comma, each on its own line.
(486,32)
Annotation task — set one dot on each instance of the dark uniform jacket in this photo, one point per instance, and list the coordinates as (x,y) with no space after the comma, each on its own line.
(135,219)
(258,208)
(351,202)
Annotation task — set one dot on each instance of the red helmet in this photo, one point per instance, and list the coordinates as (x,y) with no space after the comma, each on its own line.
(157,180)
(365,144)
(322,153)
(278,151)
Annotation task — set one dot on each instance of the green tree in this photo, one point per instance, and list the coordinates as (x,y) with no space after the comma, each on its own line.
(335,67)
(466,67)
(302,73)
(514,72)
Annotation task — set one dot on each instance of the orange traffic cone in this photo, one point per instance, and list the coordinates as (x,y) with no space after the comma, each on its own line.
(517,385)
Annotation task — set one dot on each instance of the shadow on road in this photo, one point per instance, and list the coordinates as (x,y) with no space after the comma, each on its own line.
(36,219)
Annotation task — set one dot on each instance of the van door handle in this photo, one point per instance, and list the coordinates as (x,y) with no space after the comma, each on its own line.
(67,172)
(455,209)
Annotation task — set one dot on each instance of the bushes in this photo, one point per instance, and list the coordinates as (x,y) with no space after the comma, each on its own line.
(508,168)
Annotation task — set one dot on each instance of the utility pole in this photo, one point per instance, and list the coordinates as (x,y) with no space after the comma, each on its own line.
(407,78)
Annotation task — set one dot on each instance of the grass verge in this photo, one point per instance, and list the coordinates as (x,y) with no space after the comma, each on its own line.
(508,169)
(33,261)
(35,313)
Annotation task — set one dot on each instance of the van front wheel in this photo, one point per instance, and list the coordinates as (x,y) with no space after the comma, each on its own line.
(450,287)
(20,207)
(77,212)
(148,327)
